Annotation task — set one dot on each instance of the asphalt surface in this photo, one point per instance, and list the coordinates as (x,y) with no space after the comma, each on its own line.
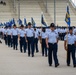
(13,62)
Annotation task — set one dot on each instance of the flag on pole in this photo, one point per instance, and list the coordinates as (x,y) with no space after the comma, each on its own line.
(67,18)
(19,21)
(13,21)
(25,22)
(1,24)
(43,21)
(4,24)
(9,23)
(33,22)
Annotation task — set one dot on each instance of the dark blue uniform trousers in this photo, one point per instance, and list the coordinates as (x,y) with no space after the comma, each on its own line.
(52,50)
(71,50)
(15,42)
(9,40)
(44,48)
(36,44)
(30,45)
(22,44)
(5,38)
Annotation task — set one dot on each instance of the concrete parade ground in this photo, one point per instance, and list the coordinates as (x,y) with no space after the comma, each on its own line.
(12,62)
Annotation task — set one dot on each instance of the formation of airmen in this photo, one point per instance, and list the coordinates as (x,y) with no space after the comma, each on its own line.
(28,39)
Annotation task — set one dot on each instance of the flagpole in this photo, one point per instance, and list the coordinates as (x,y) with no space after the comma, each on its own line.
(18,9)
(55,12)
(46,6)
(14,5)
(41,31)
(67,42)
(68,25)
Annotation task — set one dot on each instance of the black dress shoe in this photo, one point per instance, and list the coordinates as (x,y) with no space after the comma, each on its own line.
(37,51)
(56,65)
(42,54)
(45,55)
(0,42)
(28,55)
(11,46)
(50,64)
(16,48)
(74,66)
(32,55)
(21,51)
(24,52)
(68,64)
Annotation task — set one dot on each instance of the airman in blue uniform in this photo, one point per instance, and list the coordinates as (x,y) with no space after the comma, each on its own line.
(52,45)
(69,45)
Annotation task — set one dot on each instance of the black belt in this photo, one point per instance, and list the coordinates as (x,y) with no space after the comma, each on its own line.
(15,35)
(9,35)
(29,37)
(36,38)
(70,44)
(22,37)
(43,39)
(52,43)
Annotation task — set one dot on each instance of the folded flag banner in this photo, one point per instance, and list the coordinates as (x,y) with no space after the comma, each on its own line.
(1,24)
(4,24)
(19,21)
(25,22)
(33,22)
(67,18)
(43,21)
(9,23)
(13,21)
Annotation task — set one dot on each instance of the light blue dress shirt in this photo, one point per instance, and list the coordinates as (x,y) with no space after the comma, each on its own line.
(70,38)
(52,36)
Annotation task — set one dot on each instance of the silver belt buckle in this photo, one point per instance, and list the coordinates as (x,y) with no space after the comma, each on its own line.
(53,43)
(71,44)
